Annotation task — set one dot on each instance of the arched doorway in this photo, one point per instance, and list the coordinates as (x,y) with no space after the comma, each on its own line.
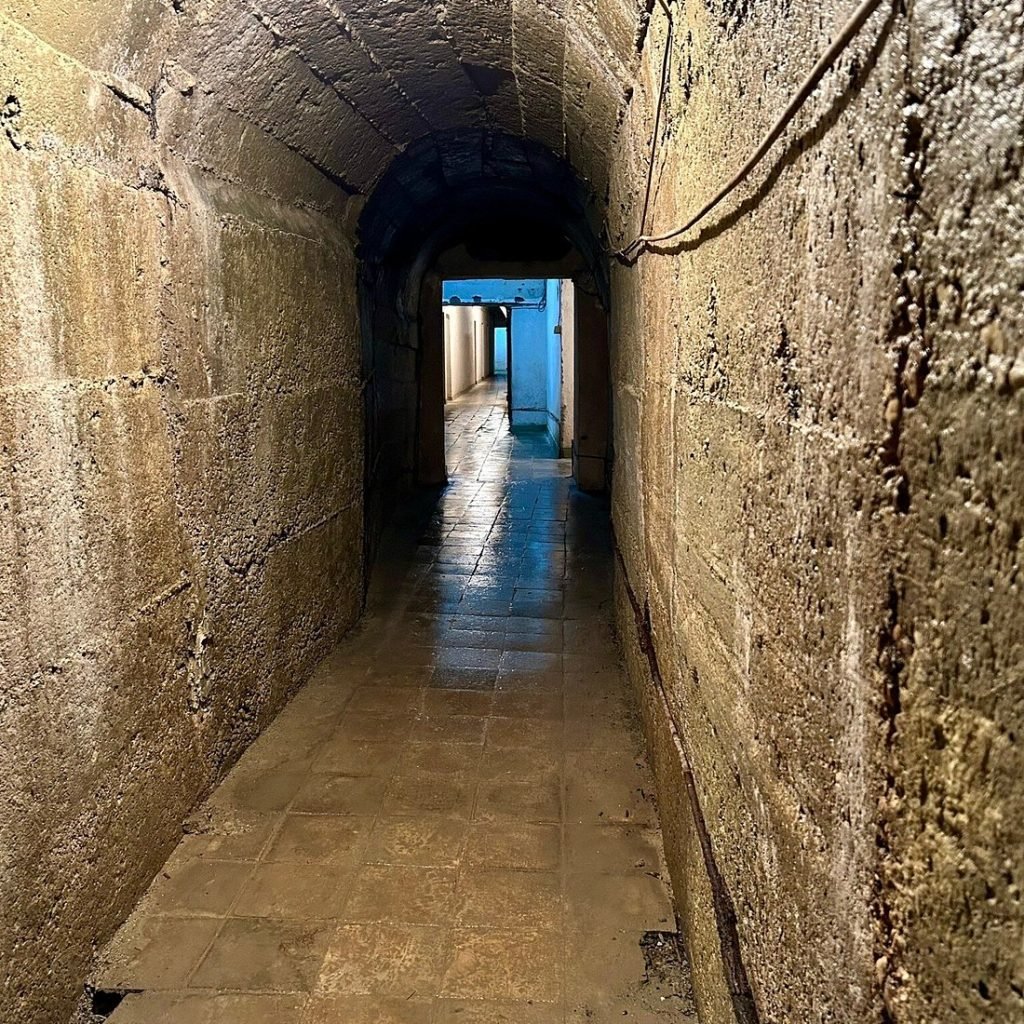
(471,204)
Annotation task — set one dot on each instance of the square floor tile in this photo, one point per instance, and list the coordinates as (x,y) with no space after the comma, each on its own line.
(450,678)
(341,755)
(529,662)
(320,839)
(522,802)
(295,891)
(481,638)
(381,700)
(449,728)
(528,704)
(225,834)
(365,726)
(514,845)
(270,790)
(469,1011)
(538,733)
(340,794)
(525,765)
(612,849)
(400,960)
(517,965)
(440,758)
(203,1008)
(155,953)
(364,1010)
(265,956)
(612,904)
(458,703)
(429,841)
(499,898)
(617,791)
(429,793)
(402,893)
(514,679)
(197,887)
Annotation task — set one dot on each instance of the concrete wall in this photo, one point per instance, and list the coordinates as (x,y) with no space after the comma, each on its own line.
(530,367)
(181,403)
(496,291)
(537,360)
(180,473)
(501,350)
(553,376)
(818,466)
(567,316)
(469,352)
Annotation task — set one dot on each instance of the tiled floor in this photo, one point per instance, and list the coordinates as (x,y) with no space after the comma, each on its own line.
(451,822)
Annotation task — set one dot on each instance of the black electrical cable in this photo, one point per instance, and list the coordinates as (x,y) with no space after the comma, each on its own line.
(630,253)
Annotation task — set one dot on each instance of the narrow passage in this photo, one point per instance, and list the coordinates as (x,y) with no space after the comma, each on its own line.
(452,820)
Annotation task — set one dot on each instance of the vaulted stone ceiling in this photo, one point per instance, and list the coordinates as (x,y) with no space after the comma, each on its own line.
(345,85)
(348,84)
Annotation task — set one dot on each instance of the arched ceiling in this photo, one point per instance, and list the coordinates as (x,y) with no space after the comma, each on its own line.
(343,86)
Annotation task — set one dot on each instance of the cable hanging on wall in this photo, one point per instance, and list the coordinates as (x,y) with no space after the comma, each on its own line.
(630,253)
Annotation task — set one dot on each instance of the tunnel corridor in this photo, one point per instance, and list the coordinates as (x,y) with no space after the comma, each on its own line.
(322,700)
(453,820)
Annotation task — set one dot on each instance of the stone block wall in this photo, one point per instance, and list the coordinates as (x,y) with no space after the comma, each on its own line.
(180,469)
(817,424)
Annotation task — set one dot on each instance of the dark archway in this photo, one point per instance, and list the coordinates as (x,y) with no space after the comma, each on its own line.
(467,204)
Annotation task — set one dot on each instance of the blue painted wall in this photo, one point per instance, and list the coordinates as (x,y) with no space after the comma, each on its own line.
(553,402)
(500,349)
(536,382)
(494,292)
(529,367)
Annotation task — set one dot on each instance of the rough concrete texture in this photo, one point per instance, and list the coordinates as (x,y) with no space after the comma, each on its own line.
(180,457)
(817,504)
(816,421)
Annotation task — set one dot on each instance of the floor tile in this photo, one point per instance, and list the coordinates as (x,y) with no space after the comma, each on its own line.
(333,1009)
(440,757)
(342,755)
(410,894)
(396,960)
(498,898)
(602,849)
(612,904)
(509,845)
(155,953)
(519,802)
(340,794)
(265,956)
(291,891)
(457,702)
(537,733)
(197,887)
(525,765)
(320,839)
(505,964)
(425,792)
(269,790)
(428,841)
(449,728)
(229,835)
(202,1008)
(468,1011)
